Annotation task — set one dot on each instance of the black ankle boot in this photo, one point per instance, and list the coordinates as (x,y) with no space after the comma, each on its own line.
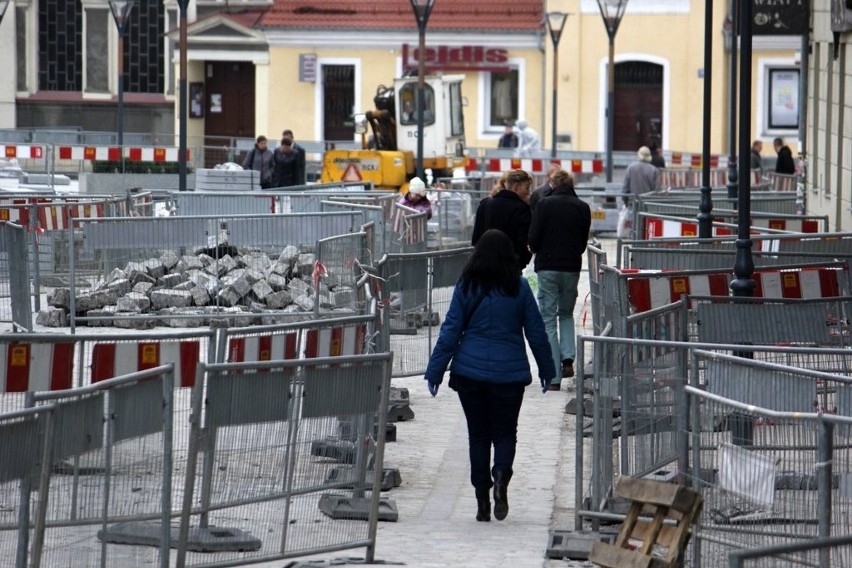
(483,505)
(501,501)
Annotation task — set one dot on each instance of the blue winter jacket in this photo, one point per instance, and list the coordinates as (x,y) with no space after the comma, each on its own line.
(492,348)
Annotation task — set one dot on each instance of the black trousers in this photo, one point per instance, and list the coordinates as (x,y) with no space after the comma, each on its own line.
(491,410)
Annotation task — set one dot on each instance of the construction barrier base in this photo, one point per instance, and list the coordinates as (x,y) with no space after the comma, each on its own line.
(357,508)
(213,539)
(575,545)
(346,477)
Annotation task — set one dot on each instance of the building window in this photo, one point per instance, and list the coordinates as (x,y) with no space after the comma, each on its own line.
(502,99)
(60,42)
(144,56)
(782,99)
(408,104)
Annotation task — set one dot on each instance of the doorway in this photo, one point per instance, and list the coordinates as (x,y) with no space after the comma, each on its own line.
(638,105)
(229,86)
(338,95)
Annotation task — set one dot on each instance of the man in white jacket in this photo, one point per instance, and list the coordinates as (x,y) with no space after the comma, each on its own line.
(528,140)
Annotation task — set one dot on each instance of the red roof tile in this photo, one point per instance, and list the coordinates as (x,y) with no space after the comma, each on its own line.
(450,15)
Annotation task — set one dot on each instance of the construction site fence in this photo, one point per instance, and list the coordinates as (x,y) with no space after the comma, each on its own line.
(414,292)
(48,367)
(761,431)
(682,222)
(720,252)
(77,460)
(15,298)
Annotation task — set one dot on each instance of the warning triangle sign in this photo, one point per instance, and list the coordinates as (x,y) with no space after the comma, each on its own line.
(351,173)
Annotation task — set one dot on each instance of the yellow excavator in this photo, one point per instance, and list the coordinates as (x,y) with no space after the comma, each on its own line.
(388,150)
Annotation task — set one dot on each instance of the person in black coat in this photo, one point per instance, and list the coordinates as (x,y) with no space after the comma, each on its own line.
(558,236)
(509,138)
(289,162)
(785,163)
(508,211)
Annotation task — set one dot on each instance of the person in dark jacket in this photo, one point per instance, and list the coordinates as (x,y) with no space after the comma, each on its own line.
(508,211)
(558,236)
(785,163)
(289,160)
(260,160)
(544,189)
(491,311)
(509,138)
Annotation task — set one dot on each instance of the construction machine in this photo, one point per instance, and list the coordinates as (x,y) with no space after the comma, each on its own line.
(389,135)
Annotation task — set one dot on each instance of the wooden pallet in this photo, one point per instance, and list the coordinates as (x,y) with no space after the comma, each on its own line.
(662,538)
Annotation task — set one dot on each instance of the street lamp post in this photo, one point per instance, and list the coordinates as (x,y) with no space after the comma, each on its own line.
(182,98)
(3,5)
(555,25)
(732,111)
(121,14)
(705,204)
(422,9)
(611,11)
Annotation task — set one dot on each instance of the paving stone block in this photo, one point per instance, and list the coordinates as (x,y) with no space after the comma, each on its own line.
(575,545)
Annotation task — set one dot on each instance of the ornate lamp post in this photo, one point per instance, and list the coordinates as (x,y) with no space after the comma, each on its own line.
(422,9)
(121,14)
(182,98)
(732,111)
(705,205)
(611,11)
(555,24)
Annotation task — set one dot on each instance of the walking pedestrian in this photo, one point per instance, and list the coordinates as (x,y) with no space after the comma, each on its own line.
(544,189)
(509,211)
(756,158)
(289,160)
(641,176)
(558,236)
(509,138)
(491,311)
(416,198)
(259,159)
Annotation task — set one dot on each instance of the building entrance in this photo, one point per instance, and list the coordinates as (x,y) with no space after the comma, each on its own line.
(638,105)
(338,84)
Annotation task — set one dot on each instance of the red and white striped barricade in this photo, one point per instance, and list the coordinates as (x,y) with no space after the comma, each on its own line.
(338,341)
(268,347)
(536,165)
(112,359)
(36,366)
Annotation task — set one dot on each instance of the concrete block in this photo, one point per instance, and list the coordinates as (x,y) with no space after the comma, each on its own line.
(211,539)
(574,545)
(356,508)
(400,412)
(346,477)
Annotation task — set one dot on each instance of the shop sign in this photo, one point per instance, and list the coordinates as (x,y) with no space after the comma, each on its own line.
(307,68)
(780,17)
(461,58)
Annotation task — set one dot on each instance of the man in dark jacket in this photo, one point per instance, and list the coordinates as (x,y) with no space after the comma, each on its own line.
(558,236)
(785,163)
(544,189)
(289,160)
(508,211)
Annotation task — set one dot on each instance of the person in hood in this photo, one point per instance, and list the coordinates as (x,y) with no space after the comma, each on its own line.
(416,197)
(491,311)
(528,140)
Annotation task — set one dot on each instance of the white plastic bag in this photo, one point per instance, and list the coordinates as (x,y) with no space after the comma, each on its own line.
(625,223)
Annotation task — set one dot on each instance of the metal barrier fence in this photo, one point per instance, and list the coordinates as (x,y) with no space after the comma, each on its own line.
(415,289)
(656,225)
(117,436)
(761,201)
(255,425)
(409,230)
(724,435)
(15,297)
(768,250)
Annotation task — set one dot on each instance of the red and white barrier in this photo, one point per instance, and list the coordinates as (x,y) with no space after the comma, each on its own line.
(663,228)
(115,153)
(263,348)
(36,366)
(22,151)
(651,289)
(535,165)
(58,217)
(335,341)
(114,359)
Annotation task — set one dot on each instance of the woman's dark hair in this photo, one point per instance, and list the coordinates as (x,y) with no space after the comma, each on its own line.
(492,266)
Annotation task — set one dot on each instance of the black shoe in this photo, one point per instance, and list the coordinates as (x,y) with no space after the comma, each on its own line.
(567,368)
(483,505)
(554,386)
(501,502)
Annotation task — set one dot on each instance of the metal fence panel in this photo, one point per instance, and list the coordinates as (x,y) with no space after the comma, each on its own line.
(15,277)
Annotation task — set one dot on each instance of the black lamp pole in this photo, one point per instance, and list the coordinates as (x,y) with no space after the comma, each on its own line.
(743,284)
(422,9)
(3,5)
(705,205)
(182,98)
(732,111)
(121,14)
(555,24)
(611,11)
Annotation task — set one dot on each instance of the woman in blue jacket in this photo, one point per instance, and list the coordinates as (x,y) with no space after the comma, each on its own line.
(483,333)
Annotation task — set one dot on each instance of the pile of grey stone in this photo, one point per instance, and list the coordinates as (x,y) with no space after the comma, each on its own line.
(237,287)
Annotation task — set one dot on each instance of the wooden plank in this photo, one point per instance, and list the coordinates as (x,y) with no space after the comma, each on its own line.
(656,493)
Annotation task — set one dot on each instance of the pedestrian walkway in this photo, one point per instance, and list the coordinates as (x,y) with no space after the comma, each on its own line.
(437,527)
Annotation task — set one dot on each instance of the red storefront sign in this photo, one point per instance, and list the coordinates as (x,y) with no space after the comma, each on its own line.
(462,58)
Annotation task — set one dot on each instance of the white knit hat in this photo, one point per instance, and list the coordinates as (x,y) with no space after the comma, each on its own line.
(416,186)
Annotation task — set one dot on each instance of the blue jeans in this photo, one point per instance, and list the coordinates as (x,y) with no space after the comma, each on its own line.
(491,410)
(557,296)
